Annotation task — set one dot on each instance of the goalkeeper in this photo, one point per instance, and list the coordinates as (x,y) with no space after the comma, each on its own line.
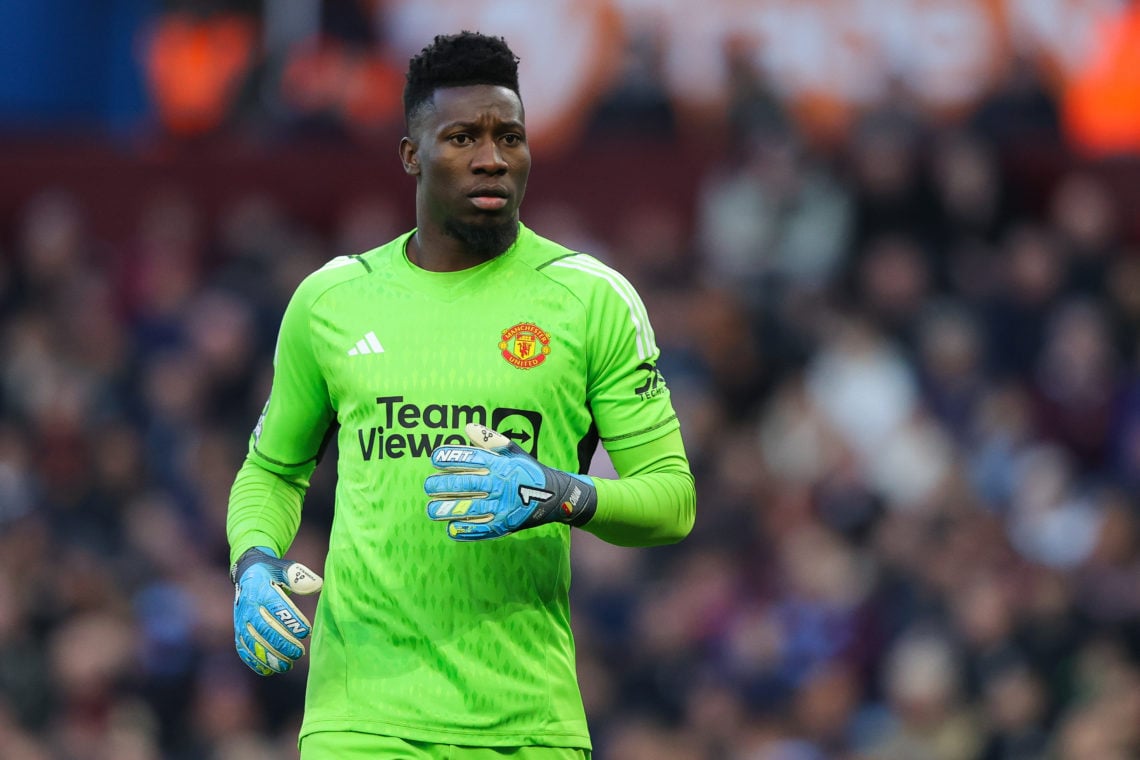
(468,369)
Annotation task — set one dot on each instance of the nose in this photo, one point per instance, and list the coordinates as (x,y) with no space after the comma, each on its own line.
(488,159)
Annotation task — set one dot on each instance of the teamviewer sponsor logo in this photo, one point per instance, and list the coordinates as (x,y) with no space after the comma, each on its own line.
(408,429)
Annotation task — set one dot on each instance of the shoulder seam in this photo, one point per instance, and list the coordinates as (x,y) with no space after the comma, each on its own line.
(544,265)
(354,258)
(363,263)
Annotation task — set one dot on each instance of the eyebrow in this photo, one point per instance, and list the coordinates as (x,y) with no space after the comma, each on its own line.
(511,124)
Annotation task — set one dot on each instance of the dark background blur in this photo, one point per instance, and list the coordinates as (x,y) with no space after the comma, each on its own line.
(892,253)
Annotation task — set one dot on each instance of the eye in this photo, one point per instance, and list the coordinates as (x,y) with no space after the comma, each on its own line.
(461,138)
(513,140)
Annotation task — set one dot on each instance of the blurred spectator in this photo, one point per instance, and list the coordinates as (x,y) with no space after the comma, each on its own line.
(1103,720)
(1052,521)
(1084,213)
(1122,297)
(950,362)
(968,181)
(863,386)
(894,278)
(926,715)
(637,103)
(1106,581)
(1016,705)
(1033,276)
(1075,382)
(1125,434)
(892,192)
(1020,114)
(754,112)
(773,216)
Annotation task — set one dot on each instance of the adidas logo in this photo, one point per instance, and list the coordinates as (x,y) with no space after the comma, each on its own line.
(369,344)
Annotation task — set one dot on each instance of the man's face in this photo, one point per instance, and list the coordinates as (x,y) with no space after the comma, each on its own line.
(470,155)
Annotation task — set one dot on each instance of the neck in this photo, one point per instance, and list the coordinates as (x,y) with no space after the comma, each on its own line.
(460,247)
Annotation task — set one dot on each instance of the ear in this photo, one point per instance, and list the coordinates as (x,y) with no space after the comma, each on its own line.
(409,156)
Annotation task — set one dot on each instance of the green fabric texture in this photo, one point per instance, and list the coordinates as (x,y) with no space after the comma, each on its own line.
(653,503)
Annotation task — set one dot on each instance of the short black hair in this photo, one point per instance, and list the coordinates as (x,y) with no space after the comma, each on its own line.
(458,60)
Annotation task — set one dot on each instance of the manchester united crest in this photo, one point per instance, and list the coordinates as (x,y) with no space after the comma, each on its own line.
(525,345)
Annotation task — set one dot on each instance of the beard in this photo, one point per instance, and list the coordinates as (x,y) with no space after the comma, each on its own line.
(484,240)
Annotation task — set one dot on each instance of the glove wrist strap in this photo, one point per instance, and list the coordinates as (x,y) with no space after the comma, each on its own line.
(249,557)
(578,499)
(583,516)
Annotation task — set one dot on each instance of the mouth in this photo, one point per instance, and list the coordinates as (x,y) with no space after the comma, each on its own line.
(489,198)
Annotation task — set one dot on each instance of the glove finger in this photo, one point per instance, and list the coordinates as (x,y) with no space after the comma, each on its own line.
(465,530)
(280,611)
(464,486)
(298,578)
(462,459)
(270,631)
(260,659)
(252,662)
(485,438)
(468,510)
(264,652)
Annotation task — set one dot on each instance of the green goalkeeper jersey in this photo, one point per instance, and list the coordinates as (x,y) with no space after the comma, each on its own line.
(416,635)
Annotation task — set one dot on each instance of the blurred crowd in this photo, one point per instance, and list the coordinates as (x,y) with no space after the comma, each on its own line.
(910,391)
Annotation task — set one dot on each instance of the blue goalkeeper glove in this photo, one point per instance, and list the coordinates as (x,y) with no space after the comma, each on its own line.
(268,627)
(493,488)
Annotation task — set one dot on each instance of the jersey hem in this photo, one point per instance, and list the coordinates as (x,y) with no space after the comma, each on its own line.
(442,736)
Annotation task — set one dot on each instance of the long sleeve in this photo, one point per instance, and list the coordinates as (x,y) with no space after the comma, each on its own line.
(265,500)
(264,509)
(654,500)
